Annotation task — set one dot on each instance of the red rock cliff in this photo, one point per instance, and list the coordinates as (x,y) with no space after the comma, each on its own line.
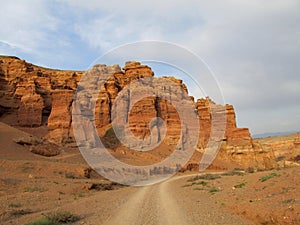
(32,96)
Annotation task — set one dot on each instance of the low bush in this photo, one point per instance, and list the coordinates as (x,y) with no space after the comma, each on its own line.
(241,185)
(207,176)
(269,176)
(213,190)
(55,218)
(234,173)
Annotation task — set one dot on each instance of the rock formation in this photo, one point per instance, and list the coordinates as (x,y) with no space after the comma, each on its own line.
(39,146)
(297,141)
(286,148)
(32,96)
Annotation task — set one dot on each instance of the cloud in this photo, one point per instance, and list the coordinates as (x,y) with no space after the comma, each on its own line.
(252,46)
(41,32)
(25,24)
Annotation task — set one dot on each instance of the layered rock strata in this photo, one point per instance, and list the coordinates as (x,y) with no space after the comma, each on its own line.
(32,96)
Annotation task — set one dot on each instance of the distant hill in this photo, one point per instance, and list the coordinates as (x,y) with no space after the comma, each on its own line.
(274,134)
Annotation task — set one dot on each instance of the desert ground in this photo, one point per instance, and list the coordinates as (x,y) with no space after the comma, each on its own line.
(34,188)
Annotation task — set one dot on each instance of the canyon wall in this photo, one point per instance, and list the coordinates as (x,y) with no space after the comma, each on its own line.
(32,96)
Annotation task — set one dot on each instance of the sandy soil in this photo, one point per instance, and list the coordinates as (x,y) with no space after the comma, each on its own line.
(230,199)
(32,186)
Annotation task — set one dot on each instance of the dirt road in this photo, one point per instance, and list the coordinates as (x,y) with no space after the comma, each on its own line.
(166,203)
(226,200)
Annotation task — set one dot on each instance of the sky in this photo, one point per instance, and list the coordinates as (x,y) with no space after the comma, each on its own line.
(252,47)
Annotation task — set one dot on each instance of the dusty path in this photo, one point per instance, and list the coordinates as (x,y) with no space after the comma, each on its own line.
(150,205)
(166,203)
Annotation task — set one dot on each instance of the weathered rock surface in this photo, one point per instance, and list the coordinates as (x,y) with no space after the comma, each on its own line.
(286,149)
(297,141)
(32,96)
(38,146)
(237,145)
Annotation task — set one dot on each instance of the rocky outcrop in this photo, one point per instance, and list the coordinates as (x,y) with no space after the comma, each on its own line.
(297,141)
(237,146)
(38,146)
(32,96)
(286,149)
(59,121)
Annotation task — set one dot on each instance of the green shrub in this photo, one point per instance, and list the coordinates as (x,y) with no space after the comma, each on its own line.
(187,185)
(198,189)
(213,190)
(42,221)
(55,218)
(241,185)
(203,183)
(234,173)
(267,177)
(207,176)
(62,217)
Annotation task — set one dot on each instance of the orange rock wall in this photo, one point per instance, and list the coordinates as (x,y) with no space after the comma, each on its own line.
(33,96)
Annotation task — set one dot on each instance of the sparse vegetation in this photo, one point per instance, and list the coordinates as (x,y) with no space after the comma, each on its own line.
(34,189)
(79,195)
(207,176)
(20,212)
(198,189)
(27,167)
(238,169)
(14,205)
(55,218)
(70,175)
(203,183)
(250,170)
(241,185)
(213,190)
(267,177)
(105,187)
(234,173)
(187,185)
(42,221)
(62,217)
